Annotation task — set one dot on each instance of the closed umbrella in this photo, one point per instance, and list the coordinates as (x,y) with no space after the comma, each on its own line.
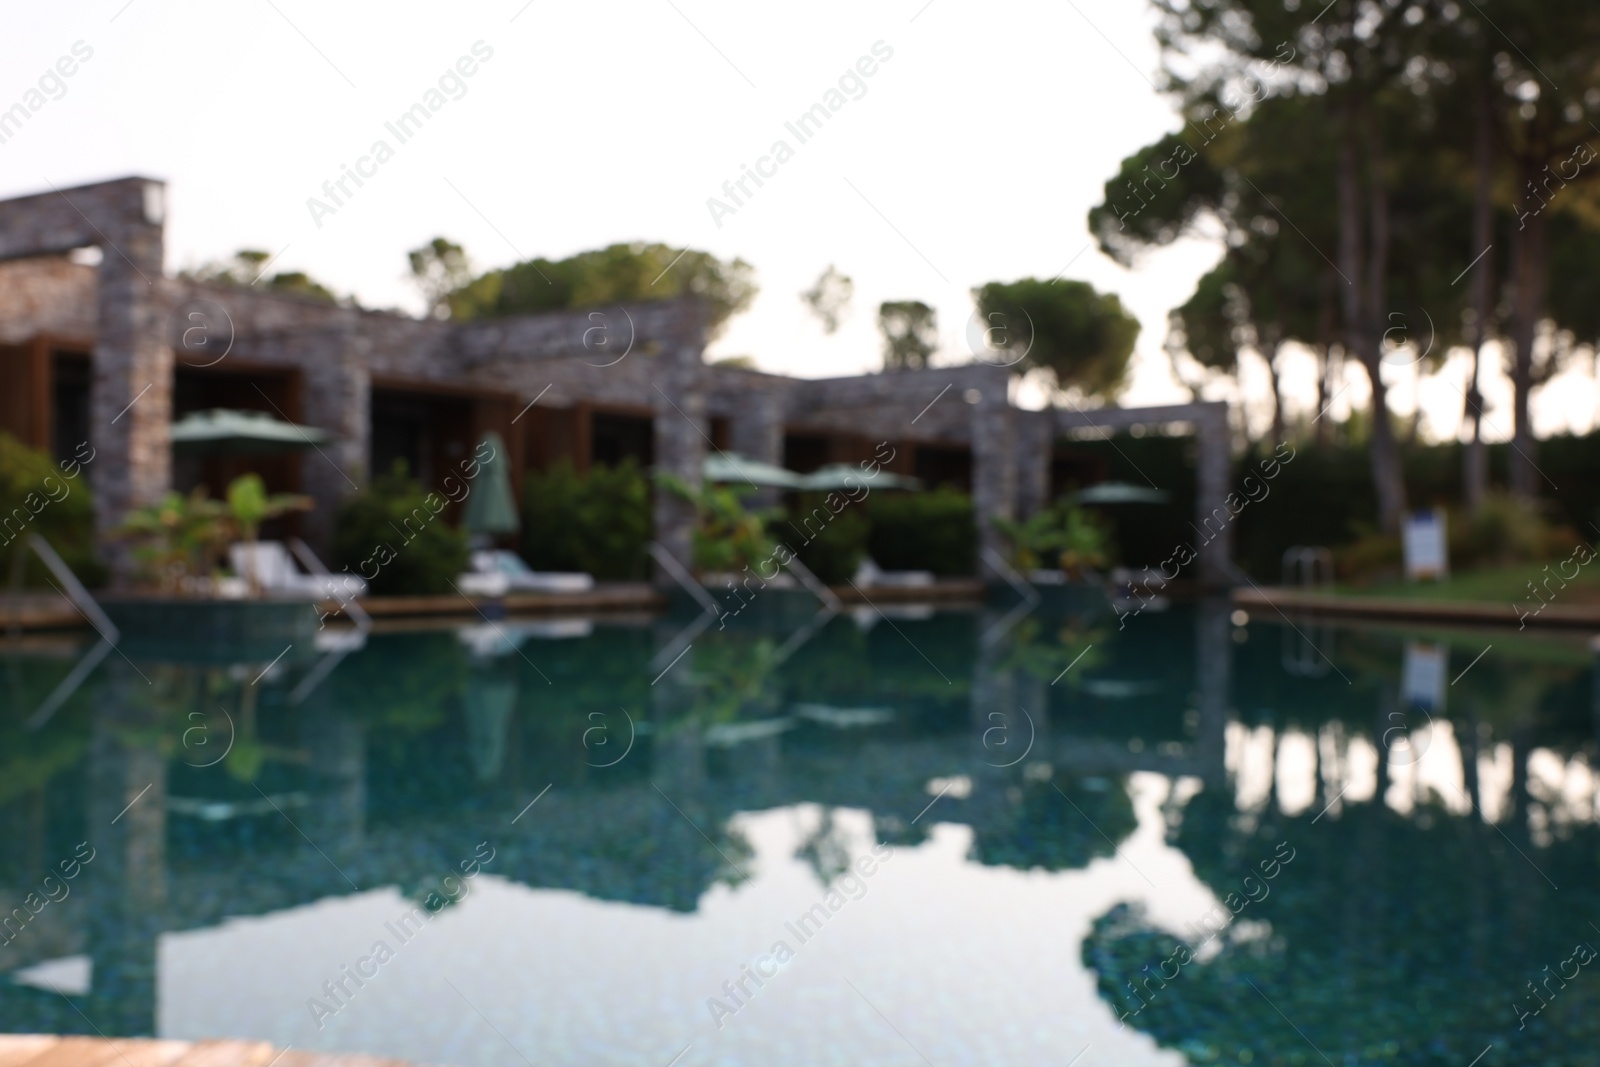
(492,507)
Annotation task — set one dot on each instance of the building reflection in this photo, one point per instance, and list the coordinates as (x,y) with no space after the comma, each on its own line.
(413,749)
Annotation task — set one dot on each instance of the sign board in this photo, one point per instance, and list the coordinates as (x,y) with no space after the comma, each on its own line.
(1426,546)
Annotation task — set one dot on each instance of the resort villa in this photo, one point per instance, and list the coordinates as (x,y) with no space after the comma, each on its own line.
(110,350)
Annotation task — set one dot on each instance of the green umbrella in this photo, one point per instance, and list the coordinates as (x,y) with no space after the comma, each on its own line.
(848,476)
(492,507)
(1118,493)
(220,432)
(737,469)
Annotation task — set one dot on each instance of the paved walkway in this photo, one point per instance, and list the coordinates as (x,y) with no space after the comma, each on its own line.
(48,1050)
(1580,616)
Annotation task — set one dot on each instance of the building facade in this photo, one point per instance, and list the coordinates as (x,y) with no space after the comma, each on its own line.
(108,349)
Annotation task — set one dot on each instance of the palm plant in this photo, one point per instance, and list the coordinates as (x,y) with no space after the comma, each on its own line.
(181,538)
(727,537)
(1073,538)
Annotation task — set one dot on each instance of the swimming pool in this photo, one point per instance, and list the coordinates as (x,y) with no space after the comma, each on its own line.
(953,836)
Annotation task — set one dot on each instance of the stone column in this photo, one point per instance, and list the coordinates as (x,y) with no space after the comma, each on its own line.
(994,469)
(337,398)
(1035,445)
(756,430)
(681,432)
(1215,554)
(130,407)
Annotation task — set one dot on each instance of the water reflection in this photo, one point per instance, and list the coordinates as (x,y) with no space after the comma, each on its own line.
(1443,832)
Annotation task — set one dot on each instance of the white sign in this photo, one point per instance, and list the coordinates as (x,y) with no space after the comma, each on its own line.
(1426,546)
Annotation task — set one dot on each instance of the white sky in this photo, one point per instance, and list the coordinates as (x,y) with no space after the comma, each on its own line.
(974,155)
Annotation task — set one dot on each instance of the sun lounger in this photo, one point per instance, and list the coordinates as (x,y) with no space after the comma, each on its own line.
(271,567)
(490,567)
(870,574)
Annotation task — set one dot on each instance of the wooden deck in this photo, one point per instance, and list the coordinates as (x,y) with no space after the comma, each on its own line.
(48,1050)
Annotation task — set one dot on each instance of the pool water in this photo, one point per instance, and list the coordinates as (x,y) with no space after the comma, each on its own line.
(1006,835)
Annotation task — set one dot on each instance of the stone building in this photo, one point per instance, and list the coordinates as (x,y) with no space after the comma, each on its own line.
(105,347)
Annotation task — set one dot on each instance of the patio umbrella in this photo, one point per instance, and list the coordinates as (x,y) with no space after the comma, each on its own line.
(1118,493)
(492,507)
(220,432)
(834,476)
(733,468)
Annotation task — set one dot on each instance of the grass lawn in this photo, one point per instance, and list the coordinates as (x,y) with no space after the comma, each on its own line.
(1504,585)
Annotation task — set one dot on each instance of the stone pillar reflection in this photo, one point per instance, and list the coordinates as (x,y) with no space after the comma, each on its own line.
(127,828)
(1213,648)
(337,747)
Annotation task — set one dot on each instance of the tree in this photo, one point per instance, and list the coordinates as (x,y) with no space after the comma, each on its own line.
(1078,337)
(1352,71)
(246,269)
(438,269)
(618,273)
(1206,327)
(910,333)
(829,298)
(1548,87)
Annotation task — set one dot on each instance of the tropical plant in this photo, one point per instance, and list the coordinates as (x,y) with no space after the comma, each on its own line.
(179,541)
(249,504)
(727,536)
(1066,535)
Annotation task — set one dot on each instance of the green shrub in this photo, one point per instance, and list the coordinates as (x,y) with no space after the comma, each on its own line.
(1504,530)
(38,496)
(392,535)
(599,523)
(834,553)
(931,531)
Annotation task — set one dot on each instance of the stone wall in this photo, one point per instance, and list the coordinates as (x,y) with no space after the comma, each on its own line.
(47,295)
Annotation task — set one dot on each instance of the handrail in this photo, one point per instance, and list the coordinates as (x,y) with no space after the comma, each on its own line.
(1305,562)
(670,564)
(309,560)
(74,590)
(1018,583)
(812,582)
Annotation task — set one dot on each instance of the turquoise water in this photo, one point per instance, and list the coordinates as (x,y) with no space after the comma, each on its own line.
(993,836)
